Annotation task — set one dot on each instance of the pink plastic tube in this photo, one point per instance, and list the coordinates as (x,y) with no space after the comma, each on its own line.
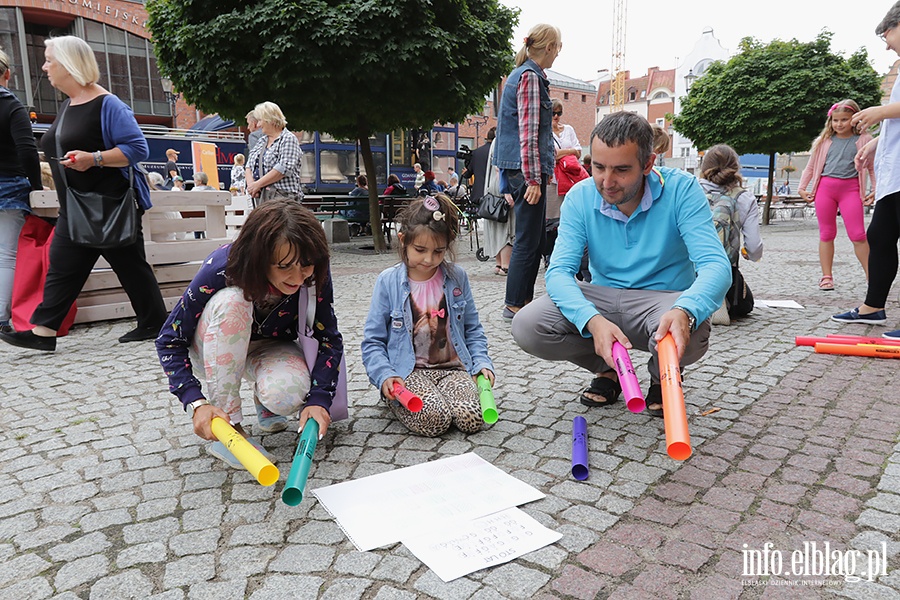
(634,397)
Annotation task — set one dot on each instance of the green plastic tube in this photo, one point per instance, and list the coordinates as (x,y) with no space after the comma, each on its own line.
(292,494)
(486,397)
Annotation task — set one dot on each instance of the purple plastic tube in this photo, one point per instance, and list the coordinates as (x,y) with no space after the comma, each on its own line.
(580,469)
(634,398)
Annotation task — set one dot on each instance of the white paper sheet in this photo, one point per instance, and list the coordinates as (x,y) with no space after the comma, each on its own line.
(777,303)
(383,509)
(481,543)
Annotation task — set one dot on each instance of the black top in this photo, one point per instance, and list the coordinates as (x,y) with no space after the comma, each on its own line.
(81,131)
(479,167)
(171,166)
(17,146)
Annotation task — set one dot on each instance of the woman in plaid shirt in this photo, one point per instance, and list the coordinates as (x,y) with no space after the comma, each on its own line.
(276,157)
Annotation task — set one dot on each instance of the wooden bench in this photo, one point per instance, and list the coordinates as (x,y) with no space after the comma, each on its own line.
(787,207)
(171,249)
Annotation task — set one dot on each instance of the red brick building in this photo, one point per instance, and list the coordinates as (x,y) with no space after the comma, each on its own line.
(577,98)
(651,95)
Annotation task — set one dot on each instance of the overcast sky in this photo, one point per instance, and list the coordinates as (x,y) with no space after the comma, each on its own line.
(659,32)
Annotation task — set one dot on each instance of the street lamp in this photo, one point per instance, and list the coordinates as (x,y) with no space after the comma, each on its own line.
(171,95)
(478,122)
(689,80)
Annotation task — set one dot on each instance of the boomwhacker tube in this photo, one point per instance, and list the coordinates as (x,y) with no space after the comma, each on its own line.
(259,466)
(580,469)
(292,494)
(410,401)
(486,397)
(678,439)
(859,350)
(843,339)
(631,387)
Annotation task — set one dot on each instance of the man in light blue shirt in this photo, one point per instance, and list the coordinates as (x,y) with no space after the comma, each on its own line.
(656,262)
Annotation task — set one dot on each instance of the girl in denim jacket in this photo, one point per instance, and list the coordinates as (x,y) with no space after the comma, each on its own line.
(423,329)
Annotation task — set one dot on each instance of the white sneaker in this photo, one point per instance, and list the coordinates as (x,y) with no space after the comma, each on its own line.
(720,317)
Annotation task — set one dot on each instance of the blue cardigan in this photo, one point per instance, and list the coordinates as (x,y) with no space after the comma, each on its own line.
(120,130)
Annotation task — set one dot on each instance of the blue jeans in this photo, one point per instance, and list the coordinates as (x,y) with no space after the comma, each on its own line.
(531,234)
(11,222)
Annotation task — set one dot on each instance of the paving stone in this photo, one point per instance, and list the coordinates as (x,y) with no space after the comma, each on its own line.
(80,571)
(346,588)
(515,580)
(303,558)
(195,542)
(151,552)
(430,584)
(245,561)
(356,563)
(218,590)
(80,547)
(127,584)
(395,568)
(189,570)
(280,587)
(159,530)
(257,533)
(36,588)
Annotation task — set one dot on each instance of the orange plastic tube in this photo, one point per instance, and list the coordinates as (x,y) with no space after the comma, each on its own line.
(678,439)
(859,350)
(259,466)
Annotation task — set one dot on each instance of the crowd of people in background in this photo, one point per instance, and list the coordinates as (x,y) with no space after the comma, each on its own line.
(644,252)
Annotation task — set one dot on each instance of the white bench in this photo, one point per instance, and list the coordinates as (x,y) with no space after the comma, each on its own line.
(174,261)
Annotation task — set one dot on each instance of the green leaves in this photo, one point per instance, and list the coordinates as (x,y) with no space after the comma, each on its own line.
(774,98)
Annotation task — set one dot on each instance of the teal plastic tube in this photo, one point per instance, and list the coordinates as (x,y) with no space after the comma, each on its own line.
(486,397)
(292,494)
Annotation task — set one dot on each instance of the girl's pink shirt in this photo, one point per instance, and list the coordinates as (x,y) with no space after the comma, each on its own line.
(813,170)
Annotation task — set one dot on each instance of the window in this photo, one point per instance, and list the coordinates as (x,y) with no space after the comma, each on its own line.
(565,95)
(659,95)
(632,94)
(643,94)
(583,98)
(661,122)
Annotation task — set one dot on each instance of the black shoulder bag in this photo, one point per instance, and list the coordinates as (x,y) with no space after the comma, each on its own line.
(98,220)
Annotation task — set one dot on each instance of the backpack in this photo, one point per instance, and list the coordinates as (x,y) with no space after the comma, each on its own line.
(725,218)
(399,190)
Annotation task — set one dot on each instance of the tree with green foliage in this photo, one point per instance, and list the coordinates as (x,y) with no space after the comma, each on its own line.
(773,98)
(350,68)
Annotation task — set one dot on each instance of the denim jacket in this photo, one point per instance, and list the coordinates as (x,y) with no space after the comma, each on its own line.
(508,150)
(387,347)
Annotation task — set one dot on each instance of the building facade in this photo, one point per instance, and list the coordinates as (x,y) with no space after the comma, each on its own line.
(117,32)
(651,96)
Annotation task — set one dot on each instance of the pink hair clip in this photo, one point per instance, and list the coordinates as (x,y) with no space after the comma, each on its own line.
(431,203)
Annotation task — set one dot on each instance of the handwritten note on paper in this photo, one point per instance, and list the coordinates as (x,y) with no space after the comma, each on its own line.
(481,543)
(383,509)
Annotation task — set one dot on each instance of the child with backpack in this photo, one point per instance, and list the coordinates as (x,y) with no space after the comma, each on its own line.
(735,212)
(834,184)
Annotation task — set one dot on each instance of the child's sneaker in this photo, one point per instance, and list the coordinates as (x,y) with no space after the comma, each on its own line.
(891,335)
(268,421)
(721,317)
(853,316)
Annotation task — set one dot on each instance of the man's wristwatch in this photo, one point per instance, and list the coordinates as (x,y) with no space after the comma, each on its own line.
(190,408)
(692,320)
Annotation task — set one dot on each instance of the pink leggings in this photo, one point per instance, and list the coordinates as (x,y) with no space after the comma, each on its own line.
(833,194)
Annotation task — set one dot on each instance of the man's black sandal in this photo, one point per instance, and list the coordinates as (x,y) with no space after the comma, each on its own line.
(602,386)
(654,396)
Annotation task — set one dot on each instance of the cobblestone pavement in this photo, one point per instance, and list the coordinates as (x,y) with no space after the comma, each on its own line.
(106,493)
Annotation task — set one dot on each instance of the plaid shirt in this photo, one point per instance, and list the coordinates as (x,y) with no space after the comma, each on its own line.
(284,156)
(528,98)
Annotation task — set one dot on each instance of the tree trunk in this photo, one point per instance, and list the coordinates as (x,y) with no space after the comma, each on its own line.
(771,187)
(374,209)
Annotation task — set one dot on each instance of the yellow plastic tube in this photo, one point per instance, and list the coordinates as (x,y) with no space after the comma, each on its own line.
(259,466)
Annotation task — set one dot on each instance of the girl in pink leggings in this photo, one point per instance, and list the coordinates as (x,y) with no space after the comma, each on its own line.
(836,185)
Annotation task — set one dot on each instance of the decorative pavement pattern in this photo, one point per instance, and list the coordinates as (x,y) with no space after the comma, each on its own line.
(105,492)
